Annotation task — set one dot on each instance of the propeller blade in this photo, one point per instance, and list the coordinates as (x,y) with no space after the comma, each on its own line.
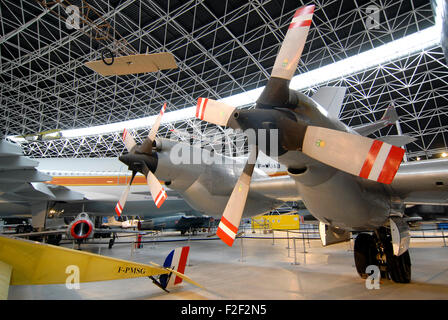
(289,55)
(146,146)
(230,220)
(155,127)
(120,204)
(128,140)
(361,156)
(158,193)
(214,111)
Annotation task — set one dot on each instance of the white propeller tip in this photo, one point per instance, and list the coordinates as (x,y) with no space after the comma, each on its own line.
(226,231)
(160,198)
(118,209)
(213,111)
(162,111)
(382,162)
(200,108)
(302,17)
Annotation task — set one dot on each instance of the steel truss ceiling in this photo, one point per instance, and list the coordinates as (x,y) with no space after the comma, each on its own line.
(222,48)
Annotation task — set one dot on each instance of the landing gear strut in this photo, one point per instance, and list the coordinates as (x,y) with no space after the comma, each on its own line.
(112,241)
(54,239)
(377,250)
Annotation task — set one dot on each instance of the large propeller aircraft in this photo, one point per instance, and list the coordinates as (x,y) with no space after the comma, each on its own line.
(316,137)
(347,181)
(341,176)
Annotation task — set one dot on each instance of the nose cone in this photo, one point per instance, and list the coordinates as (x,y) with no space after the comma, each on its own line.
(276,131)
(126,159)
(138,161)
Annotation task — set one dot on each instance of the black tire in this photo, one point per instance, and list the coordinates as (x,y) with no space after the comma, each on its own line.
(20,229)
(107,54)
(365,253)
(399,267)
(54,239)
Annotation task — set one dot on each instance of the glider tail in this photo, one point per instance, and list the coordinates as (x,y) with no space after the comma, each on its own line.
(177,261)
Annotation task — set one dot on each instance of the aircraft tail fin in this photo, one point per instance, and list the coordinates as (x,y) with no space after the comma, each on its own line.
(331,99)
(176,261)
(390,115)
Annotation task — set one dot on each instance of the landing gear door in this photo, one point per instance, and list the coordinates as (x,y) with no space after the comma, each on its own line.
(401,236)
(330,235)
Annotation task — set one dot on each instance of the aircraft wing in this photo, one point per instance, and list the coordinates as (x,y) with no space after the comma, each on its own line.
(422,182)
(397,140)
(19,174)
(39,233)
(117,230)
(23,183)
(63,231)
(279,186)
(416,182)
(20,181)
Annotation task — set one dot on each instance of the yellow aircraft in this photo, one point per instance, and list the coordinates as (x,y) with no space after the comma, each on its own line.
(24,262)
(43,135)
(134,64)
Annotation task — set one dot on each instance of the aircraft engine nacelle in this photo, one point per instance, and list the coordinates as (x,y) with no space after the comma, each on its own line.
(81,228)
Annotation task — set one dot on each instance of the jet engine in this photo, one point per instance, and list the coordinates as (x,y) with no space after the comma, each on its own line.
(81,228)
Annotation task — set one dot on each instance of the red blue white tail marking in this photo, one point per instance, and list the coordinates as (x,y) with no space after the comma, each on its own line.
(177,260)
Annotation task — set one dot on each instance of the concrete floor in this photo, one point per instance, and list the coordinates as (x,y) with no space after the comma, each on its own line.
(265,272)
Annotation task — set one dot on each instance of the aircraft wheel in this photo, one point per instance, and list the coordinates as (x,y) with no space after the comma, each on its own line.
(365,253)
(399,267)
(107,54)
